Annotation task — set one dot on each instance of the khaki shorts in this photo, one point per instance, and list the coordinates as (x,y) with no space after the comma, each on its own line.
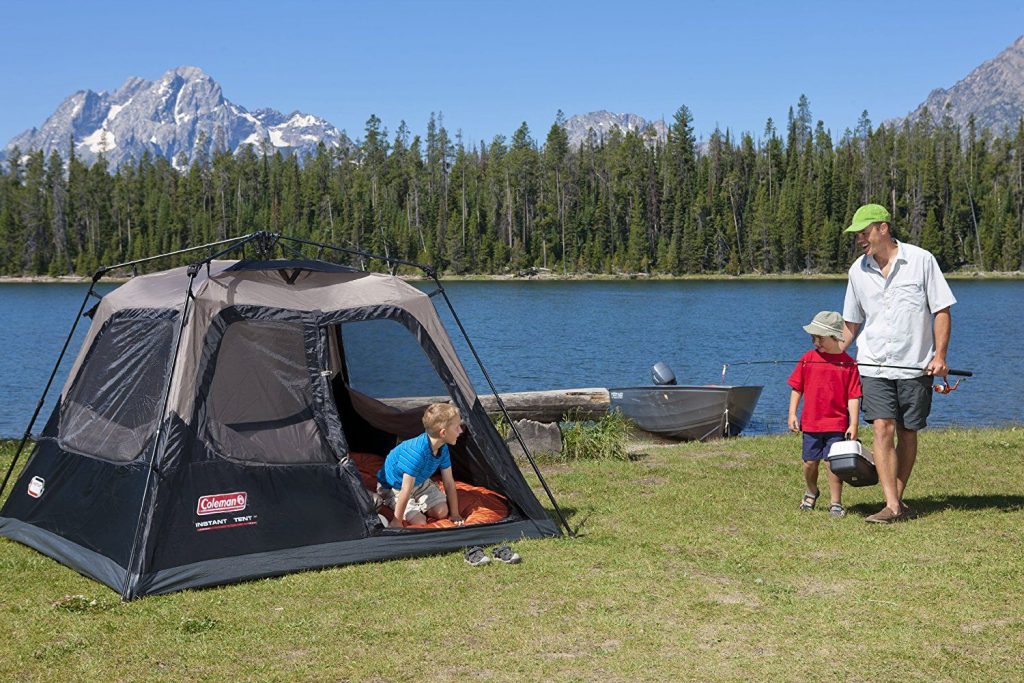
(423,497)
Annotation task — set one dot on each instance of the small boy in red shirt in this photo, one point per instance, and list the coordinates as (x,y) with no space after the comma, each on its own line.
(829,382)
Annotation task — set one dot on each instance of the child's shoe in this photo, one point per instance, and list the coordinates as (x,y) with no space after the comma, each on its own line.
(506,554)
(808,501)
(836,510)
(476,557)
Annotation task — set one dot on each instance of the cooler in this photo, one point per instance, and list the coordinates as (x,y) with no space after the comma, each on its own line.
(852,463)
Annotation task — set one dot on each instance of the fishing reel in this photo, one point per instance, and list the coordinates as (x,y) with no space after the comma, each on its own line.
(946,387)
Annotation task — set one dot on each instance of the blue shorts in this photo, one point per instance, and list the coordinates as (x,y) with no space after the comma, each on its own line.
(816,444)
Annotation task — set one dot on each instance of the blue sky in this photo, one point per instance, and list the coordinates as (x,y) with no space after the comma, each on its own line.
(488,66)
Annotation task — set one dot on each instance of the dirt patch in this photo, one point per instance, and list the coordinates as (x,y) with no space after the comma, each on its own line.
(730,642)
(732,455)
(650,482)
(818,588)
(979,626)
(736,599)
(724,590)
(731,465)
(560,655)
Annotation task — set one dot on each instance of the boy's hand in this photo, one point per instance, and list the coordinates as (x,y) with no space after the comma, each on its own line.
(457,518)
(851,434)
(397,523)
(794,423)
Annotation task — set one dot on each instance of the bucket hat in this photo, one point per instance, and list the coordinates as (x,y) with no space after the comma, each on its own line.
(868,214)
(826,324)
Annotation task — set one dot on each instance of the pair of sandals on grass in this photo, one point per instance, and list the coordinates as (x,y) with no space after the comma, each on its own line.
(807,504)
(476,557)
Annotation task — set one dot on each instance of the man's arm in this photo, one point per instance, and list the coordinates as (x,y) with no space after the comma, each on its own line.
(453,495)
(402,499)
(850,331)
(941,326)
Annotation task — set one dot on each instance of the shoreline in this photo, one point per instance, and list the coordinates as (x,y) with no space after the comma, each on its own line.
(539,275)
(639,437)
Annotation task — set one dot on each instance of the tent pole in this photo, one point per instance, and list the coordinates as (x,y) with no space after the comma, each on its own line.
(134,569)
(239,240)
(49,382)
(135,558)
(390,260)
(501,404)
(235,242)
(432,274)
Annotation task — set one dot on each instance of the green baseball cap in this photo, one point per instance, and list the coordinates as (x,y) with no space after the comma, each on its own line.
(868,214)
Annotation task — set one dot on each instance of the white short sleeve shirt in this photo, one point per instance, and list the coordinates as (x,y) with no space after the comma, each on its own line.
(897,313)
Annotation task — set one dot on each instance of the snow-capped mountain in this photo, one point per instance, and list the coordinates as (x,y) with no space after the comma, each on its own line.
(179,116)
(602,122)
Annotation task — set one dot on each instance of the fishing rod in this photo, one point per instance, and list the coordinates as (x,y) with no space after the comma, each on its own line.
(943,388)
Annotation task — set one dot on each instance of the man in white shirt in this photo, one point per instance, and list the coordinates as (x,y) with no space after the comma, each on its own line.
(898,300)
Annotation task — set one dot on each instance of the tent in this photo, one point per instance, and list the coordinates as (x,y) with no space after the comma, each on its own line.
(214,424)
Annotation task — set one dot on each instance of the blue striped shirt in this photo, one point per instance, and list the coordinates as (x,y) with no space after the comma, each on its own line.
(415,458)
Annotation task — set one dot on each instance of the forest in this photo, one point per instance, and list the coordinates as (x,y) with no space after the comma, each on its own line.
(617,204)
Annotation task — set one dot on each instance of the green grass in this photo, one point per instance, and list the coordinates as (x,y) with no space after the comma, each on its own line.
(692,564)
(603,439)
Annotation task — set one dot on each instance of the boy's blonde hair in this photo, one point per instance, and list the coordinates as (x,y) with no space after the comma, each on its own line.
(438,416)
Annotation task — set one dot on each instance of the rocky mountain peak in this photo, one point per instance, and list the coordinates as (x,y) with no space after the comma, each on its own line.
(602,122)
(993,92)
(182,112)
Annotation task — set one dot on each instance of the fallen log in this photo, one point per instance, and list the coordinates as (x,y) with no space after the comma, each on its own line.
(543,406)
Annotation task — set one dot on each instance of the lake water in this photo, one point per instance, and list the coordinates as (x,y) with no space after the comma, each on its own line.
(536,335)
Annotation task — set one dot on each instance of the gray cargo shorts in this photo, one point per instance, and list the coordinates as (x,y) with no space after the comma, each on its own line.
(908,401)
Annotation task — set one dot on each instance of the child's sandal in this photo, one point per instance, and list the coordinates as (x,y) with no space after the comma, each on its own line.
(808,501)
(836,510)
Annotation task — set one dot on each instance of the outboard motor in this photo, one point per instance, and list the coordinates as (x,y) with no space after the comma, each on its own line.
(662,374)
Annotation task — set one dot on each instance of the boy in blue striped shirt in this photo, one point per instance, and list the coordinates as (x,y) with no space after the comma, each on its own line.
(404,481)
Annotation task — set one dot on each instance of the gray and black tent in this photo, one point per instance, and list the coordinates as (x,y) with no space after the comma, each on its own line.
(211,428)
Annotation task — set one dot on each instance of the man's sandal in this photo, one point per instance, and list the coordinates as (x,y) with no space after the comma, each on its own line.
(808,501)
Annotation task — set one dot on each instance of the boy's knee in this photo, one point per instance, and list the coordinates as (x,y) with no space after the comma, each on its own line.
(416,518)
(438,511)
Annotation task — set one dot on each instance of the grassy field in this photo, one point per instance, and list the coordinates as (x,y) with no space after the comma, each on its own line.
(692,563)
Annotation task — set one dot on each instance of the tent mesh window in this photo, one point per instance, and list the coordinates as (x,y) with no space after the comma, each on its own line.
(260,407)
(113,406)
(386,381)
(384,360)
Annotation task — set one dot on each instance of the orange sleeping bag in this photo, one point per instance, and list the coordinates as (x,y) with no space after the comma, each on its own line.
(477,505)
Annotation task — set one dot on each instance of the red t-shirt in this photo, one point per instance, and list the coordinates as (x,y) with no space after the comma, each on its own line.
(827,381)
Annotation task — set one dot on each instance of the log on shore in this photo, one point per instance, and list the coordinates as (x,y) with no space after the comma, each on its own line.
(543,406)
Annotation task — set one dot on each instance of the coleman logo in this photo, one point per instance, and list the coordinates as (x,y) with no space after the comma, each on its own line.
(221,502)
(36,486)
